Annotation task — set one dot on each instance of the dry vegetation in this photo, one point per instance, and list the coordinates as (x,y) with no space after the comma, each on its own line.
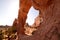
(8,33)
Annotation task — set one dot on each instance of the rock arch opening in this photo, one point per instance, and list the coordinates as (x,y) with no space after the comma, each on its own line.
(32,21)
(32,14)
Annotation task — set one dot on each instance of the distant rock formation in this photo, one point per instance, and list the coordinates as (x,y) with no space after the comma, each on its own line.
(15,22)
(49,29)
(38,21)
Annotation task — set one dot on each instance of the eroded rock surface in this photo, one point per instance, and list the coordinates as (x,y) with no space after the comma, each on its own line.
(49,29)
(23,10)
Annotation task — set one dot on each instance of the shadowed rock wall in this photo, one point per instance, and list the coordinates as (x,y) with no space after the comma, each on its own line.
(49,29)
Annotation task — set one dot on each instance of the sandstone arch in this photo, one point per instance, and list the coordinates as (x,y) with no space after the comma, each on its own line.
(50,11)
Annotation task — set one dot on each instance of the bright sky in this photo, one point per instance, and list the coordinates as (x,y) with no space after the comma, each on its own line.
(9,11)
(32,14)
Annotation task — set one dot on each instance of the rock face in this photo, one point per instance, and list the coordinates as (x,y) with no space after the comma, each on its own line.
(29,30)
(23,10)
(49,29)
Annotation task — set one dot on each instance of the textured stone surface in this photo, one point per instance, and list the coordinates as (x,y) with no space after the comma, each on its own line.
(23,10)
(50,12)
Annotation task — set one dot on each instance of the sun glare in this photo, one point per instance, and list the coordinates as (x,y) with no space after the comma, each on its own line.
(9,11)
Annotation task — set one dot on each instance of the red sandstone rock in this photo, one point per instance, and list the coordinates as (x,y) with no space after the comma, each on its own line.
(23,10)
(50,12)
